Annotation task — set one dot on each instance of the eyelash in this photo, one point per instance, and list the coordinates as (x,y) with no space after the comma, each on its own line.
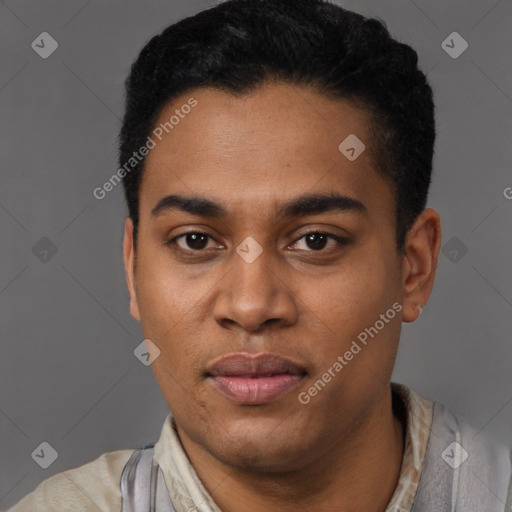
(172,242)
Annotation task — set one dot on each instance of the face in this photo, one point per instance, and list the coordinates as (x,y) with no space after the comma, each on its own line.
(268,271)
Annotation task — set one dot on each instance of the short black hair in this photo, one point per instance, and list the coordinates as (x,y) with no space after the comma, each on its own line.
(238,45)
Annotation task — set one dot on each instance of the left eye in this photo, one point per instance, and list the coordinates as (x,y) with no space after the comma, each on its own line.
(317,240)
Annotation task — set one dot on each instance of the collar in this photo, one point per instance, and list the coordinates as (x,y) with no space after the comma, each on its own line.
(188,493)
(418,411)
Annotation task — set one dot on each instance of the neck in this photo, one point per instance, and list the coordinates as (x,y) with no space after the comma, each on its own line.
(360,473)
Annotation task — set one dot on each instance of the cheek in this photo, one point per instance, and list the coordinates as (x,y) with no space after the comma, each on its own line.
(356,296)
(349,308)
(167,319)
(164,296)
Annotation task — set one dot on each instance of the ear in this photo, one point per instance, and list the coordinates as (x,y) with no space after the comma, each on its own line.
(420,262)
(129,267)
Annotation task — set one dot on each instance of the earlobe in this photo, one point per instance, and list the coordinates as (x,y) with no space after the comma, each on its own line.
(420,262)
(129,267)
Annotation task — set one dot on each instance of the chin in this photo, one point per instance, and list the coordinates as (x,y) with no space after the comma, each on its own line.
(260,458)
(259,447)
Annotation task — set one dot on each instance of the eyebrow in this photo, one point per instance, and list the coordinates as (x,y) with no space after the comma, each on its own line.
(307,204)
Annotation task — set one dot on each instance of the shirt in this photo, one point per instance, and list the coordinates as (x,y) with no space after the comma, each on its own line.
(95,486)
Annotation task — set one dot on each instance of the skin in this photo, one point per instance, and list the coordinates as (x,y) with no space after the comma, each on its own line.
(343,450)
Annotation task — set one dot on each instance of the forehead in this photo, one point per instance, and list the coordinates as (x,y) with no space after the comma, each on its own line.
(278,141)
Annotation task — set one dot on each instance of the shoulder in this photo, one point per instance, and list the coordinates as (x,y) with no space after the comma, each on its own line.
(479,465)
(94,486)
(478,445)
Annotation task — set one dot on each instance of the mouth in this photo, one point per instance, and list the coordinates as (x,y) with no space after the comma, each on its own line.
(252,380)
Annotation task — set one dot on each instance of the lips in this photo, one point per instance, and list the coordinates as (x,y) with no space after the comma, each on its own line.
(251,380)
(249,365)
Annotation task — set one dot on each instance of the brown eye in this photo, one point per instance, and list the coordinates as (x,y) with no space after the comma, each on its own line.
(317,241)
(196,240)
(190,241)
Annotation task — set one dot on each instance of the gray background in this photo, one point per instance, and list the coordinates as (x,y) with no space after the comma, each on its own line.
(68,373)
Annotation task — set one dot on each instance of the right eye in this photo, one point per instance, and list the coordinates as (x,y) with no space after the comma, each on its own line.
(195,240)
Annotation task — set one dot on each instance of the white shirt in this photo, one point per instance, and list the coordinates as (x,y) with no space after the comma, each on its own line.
(95,486)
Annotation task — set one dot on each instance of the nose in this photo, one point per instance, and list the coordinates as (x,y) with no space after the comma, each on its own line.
(255,293)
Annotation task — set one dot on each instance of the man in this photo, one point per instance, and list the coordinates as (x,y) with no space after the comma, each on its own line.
(276,158)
